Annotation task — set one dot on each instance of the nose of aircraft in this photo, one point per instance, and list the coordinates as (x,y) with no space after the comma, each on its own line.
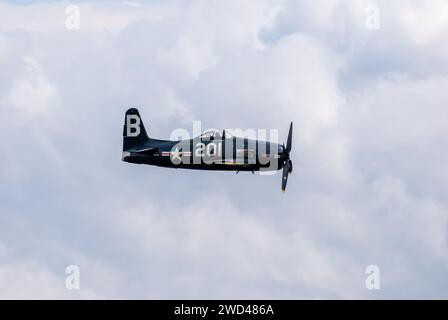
(284,157)
(282,152)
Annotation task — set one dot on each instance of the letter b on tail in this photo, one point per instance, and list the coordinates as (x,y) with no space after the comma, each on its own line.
(134,132)
(133,125)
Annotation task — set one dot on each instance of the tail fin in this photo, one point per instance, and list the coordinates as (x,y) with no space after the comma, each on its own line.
(134,133)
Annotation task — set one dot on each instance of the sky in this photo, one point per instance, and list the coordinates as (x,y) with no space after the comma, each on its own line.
(364,82)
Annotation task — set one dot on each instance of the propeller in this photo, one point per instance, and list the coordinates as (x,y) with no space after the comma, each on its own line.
(287,163)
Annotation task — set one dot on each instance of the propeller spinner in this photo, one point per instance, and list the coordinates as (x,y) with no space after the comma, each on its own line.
(287,163)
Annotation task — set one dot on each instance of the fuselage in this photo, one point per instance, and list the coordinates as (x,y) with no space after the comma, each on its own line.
(228,154)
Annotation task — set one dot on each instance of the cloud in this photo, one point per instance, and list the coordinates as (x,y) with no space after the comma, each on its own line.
(368,185)
(32,87)
(434,14)
(24,278)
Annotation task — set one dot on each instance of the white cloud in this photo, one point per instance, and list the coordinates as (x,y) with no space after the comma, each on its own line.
(369,175)
(426,21)
(29,279)
(32,93)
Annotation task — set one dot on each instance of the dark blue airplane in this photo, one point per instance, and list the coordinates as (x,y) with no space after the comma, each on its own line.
(212,150)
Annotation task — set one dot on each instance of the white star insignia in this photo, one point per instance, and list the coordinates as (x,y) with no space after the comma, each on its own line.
(176,155)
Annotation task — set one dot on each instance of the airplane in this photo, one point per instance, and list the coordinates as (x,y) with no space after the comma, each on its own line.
(212,150)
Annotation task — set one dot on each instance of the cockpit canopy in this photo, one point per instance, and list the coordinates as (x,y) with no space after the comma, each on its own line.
(211,135)
(215,135)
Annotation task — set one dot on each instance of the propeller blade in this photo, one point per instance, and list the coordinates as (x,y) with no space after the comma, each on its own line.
(285,176)
(289,142)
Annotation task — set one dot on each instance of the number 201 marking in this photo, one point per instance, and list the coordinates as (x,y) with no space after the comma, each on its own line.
(211,150)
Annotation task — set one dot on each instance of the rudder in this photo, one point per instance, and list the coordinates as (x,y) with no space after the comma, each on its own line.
(134,132)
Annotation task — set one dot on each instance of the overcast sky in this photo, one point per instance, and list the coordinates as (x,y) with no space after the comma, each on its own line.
(370,185)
